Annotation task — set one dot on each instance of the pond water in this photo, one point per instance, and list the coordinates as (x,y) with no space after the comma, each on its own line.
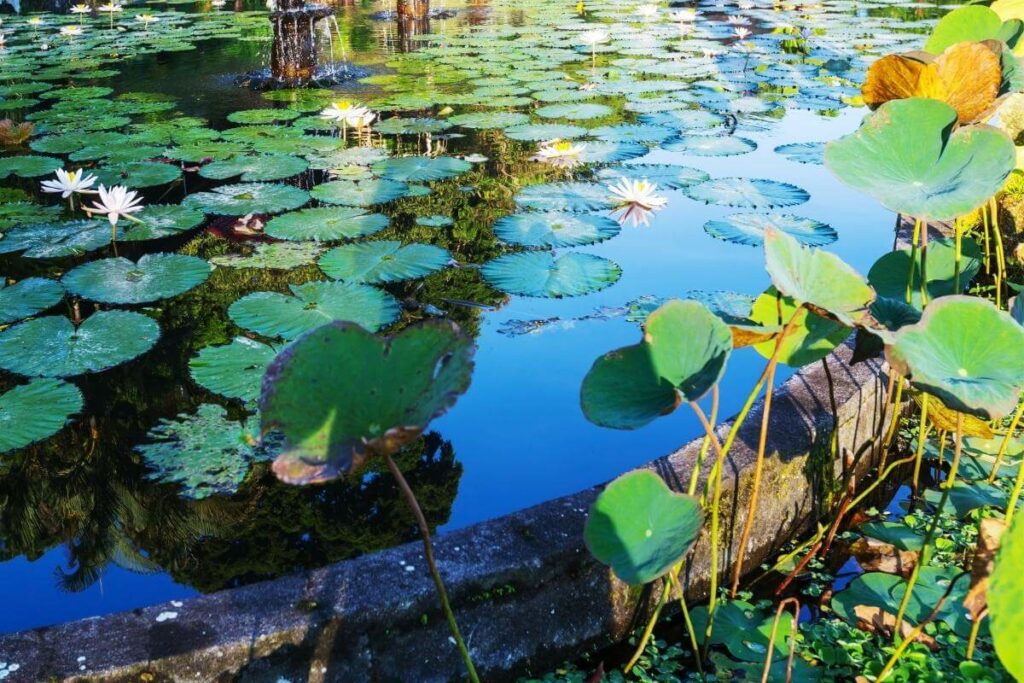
(96,518)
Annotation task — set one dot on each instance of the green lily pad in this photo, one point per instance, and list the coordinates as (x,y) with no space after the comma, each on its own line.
(539,273)
(311,305)
(756,193)
(138,174)
(340,394)
(965,352)
(745,631)
(326,224)
(970,24)
(27,297)
(28,166)
(641,528)
(965,497)
(817,278)
(159,221)
(749,229)
(490,119)
(272,256)
(53,347)
(574,111)
(894,533)
(565,197)
(153,277)
(383,261)
(206,454)
(246,198)
(55,240)
(663,175)
(885,591)
(255,168)
(909,157)
(35,411)
(234,370)
(683,354)
(553,229)
(1005,593)
(362,193)
(421,169)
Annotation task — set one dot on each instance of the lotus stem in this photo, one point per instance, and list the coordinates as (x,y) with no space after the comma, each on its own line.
(926,545)
(915,238)
(649,629)
(895,409)
(1006,442)
(924,265)
(834,439)
(762,443)
(972,640)
(428,552)
(889,392)
(792,639)
(997,236)
(922,435)
(1018,484)
(674,578)
(984,230)
(957,242)
(705,445)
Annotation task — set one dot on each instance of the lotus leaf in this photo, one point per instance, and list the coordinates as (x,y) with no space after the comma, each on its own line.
(810,340)
(362,193)
(255,168)
(749,228)
(420,169)
(1005,593)
(972,23)
(885,591)
(383,261)
(889,274)
(326,224)
(745,631)
(246,198)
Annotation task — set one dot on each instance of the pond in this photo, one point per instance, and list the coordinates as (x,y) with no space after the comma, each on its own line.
(151,491)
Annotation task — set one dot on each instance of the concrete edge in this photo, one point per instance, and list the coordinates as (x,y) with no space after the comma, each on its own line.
(526,592)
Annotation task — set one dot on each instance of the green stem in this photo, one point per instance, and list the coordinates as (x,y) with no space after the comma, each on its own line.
(972,640)
(924,265)
(915,238)
(649,629)
(705,445)
(922,435)
(428,552)
(957,240)
(674,578)
(997,237)
(1006,442)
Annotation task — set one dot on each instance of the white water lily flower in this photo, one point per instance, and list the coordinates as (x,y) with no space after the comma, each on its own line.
(116,202)
(594,37)
(647,11)
(741,32)
(219,3)
(342,110)
(80,9)
(737,20)
(35,21)
(629,192)
(147,19)
(746,6)
(71,30)
(2,39)
(69,183)
(684,16)
(559,153)
(361,120)
(110,8)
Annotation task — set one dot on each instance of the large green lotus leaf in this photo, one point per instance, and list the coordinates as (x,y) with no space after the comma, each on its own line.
(158,221)
(640,527)
(809,341)
(362,193)
(683,354)
(540,273)
(744,630)
(234,370)
(885,591)
(205,454)
(255,168)
(28,166)
(27,297)
(272,256)
(53,347)
(245,198)
(153,277)
(965,352)
(138,174)
(421,169)
(383,261)
(971,24)
(894,533)
(965,497)
(565,197)
(341,394)
(55,240)
(1005,597)
(817,278)
(978,456)
(326,224)
(756,193)
(554,229)
(908,156)
(34,411)
(311,305)
(749,228)
(889,273)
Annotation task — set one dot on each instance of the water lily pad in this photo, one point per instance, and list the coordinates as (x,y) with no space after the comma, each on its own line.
(748,193)
(206,454)
(965,352)
(28,166)
(885,591)
(138,174)
(749,228)
(745,631)
(53,347)
(362,193)
(817,278)
(245,198)
(341,395)
(803,152)
(27,297)
(255,168)
(663,175)
(490,119)
(311,305)
(234,370)
(894,533)
(539,132)
(574,111)
(683,354)
(542,274)
(553,229)
(565,197)
(641,528)
(710,145)
(153,277)
(54,240)
(421,169)
(383,261)
(908,156)
(160,220)
(326,224)
(272,256)
(35,411)
(971,24)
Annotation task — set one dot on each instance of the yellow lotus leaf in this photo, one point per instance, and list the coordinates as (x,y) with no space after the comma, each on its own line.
(966,77)
(944,419)
(1008,9)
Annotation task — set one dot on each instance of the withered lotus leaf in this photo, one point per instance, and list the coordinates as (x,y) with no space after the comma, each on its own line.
(966,76)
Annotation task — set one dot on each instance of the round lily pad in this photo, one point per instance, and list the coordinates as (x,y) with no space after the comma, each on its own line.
(28,166)
(553,229)
(138,174)
(756,193)
(272,256)
(710,145)
(160,220)
(53,347)
(641,528)
(663,175)
(246,198)
(28,297)
(803,152)
(54,240)
(491,119)
(153,277)
(326,224)
(234,370)
(539,132)
(565,197)
(574,111)
(420,168)
(35,411)
(542,274)
(383,261)
(361,193)
(313,304)
(749,228)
